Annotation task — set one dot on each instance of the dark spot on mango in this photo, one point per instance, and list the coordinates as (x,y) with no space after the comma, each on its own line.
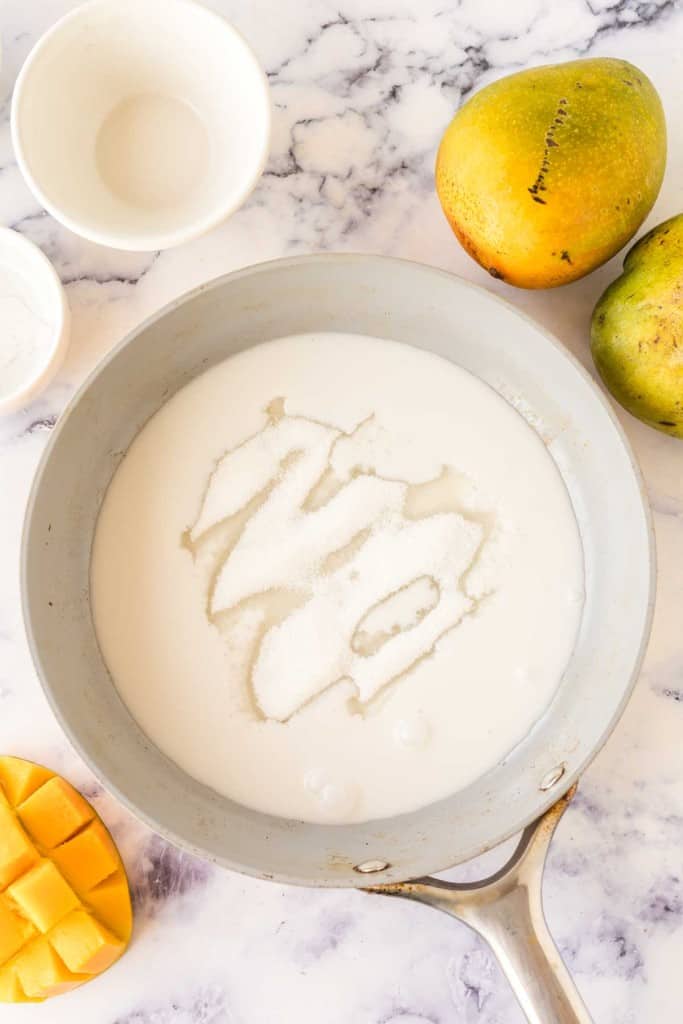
(494,272)
(626,81)
(601,318)
(667,423)
(564,255)
(537,199)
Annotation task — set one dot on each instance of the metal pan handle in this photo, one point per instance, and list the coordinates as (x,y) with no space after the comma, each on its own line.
(506,910)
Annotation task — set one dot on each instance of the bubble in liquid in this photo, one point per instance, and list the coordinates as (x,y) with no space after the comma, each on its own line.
(413,733)
(337,799)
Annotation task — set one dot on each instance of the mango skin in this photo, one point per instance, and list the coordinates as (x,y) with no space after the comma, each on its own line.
(637,330)
(547,173)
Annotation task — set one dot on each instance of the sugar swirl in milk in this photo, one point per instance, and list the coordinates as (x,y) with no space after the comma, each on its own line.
(336,577)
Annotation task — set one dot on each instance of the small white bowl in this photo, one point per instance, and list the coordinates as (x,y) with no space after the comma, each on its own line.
(141,124)
(34,320)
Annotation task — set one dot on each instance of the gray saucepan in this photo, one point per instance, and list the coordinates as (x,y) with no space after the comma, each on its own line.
(529,789)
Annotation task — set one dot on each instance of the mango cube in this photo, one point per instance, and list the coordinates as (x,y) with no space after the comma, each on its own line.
(42,972)
(88,858)
(43,896)
(15,930)
(17,852)
(54,812)
(20,778)
(10,989)
(84,944)
(110,901)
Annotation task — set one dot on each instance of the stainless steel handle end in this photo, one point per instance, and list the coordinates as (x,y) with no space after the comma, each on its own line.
(506,909)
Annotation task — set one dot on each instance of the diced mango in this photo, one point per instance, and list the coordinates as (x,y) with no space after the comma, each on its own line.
(10,989)
(20,778)
(43,895)
(84,944)
(110,901)
(54,812)
(42,972)
(88,858)
(60,853)
(15,930)
(17,852)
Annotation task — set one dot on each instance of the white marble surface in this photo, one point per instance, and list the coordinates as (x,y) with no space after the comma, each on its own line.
(362,91)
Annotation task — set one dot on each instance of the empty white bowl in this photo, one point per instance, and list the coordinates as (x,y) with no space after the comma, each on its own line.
(140,124)
(34,321)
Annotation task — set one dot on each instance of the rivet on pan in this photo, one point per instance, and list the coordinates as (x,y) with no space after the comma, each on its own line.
(368,867)
(552,777)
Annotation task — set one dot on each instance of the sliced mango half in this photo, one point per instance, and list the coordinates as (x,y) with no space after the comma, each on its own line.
(65,909)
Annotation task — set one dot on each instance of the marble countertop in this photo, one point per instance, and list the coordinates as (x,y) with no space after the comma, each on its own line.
(362,90)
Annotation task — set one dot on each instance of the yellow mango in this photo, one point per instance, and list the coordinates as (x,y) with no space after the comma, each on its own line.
(546,173)
(43,896)
(84,944)
(42,972)
(20,778)
(65,912)
(88,858)
(10,989)
(17,852)
(15,930)
(54,812)
(110,902)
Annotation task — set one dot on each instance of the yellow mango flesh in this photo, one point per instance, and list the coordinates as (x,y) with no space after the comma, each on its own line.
(41,971)
(42,895)
(54,813)
(88,858)
(545,174)
(65,910)
(20,778)
(110,903)
(15,930)
(84,944)
(17,853)
(10,988)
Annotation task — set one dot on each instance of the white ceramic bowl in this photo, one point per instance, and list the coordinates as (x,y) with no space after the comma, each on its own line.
(34,320)
(141,124)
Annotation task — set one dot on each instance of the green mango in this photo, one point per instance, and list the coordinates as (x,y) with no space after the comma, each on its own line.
(637,330)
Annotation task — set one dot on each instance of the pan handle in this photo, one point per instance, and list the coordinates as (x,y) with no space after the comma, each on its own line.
(506,910)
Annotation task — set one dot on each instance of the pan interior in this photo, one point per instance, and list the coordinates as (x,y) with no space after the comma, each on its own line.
(382,298)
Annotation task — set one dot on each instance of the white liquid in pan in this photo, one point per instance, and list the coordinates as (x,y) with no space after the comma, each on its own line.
(337,578)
